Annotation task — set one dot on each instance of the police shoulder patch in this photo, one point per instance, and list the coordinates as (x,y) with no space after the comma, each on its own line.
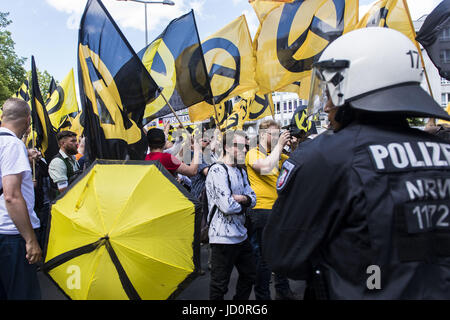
(285,173)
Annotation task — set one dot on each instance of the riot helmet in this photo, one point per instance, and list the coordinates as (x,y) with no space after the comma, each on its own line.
(372,69)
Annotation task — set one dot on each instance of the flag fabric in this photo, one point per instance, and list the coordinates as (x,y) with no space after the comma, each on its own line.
(62,102)
(44,133)
(236,120)
(292,37)
(51,88)
(230,61)
(263,7)
(114,87)
(231,66)
(175,60)
(445,122)
(260,106)
(434,36)
(201,112)
(388,14)
(23,92)
(76,126)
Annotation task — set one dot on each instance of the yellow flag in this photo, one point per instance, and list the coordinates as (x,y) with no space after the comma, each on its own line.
(204,111)
(444,121)
(237,118)
(389,14)
(263,7)
(23,93)
(76,125)
(293,35)
(63,101)
(260,106)
(231,66)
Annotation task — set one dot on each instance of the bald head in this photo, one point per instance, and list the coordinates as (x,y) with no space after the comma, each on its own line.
(15,110)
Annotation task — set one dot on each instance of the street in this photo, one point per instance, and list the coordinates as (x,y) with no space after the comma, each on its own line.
(197,290)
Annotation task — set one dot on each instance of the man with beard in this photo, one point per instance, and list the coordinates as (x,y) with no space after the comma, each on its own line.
(64,168)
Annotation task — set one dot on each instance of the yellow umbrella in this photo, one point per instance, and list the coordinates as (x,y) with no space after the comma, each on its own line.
(123,231)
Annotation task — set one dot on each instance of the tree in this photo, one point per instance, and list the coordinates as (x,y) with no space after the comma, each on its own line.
(44,79)
(12,72)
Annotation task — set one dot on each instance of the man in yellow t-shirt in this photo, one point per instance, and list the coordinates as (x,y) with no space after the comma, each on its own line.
(263,164)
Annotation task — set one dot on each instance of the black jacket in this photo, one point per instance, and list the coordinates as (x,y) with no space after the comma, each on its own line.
(352,199)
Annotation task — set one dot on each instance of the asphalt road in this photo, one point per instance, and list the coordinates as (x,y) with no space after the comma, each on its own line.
(197,290)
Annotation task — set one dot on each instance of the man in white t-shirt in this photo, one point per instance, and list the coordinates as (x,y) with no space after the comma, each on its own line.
(19,247)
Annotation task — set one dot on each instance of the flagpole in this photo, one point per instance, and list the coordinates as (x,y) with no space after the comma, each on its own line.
(31,94)
(34,161)
(405,3)
(171,108)
(206,71)
(270,108)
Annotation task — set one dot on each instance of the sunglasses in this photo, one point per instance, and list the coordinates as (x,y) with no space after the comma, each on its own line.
(240,146)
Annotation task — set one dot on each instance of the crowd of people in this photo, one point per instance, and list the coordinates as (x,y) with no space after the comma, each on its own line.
(281,206)
(237,185)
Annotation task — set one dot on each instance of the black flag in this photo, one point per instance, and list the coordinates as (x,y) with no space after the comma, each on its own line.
(114,88)
(434,36)
(42,126)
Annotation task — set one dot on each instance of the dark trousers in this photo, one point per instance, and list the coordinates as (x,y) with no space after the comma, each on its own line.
(223,258)
(43,215)
(18,278)
(263,273)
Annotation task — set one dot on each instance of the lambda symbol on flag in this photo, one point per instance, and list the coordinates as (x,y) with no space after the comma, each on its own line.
(166,79)
(302,123)
(264,103)
(319,27)
(219,70)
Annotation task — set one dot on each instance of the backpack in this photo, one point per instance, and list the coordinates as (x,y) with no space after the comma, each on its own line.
(206,218)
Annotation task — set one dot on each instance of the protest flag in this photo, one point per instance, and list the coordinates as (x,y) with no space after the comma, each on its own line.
(23,92)
(261,106)
(44,133)
(62,102)
(114,87)
(231,66)
(292,37)
(432,35)
(174,59)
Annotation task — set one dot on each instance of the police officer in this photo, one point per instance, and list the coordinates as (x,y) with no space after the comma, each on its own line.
(364,211)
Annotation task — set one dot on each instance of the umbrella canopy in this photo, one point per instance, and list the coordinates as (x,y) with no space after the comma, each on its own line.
(123,231)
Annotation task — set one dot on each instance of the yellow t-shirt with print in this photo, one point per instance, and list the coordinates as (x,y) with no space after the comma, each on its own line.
(264,185)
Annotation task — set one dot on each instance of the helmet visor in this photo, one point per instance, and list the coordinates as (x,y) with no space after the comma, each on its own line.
(328,81)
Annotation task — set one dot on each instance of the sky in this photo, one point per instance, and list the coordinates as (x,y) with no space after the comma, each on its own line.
(48,29)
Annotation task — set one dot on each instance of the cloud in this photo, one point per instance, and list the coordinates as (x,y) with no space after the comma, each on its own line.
(130,14)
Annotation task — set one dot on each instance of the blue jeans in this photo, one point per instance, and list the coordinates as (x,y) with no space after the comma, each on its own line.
(263,273)
(18,278)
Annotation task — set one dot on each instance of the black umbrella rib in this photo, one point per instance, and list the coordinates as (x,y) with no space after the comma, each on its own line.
(126,283)
(69,255)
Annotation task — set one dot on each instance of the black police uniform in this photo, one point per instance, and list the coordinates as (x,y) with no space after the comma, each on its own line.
(367,195)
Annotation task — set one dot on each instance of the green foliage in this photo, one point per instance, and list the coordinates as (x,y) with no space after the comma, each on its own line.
(416,122)
(44,80)
(12,72)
